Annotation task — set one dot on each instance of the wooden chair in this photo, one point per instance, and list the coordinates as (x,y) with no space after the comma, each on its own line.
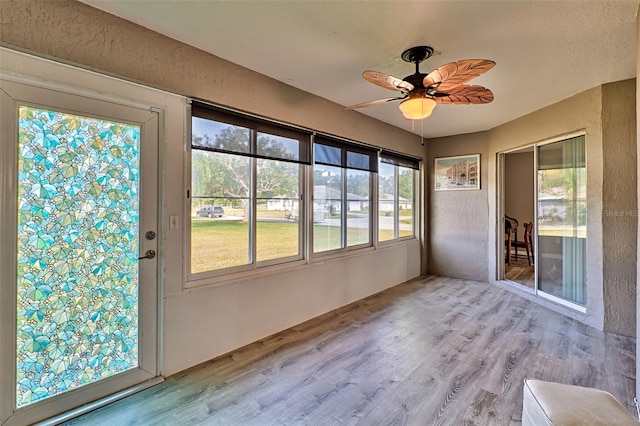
(513,223)
(526,243)
(510,235)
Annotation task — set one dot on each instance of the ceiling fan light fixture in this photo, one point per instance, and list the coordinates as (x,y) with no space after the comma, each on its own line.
(417,106)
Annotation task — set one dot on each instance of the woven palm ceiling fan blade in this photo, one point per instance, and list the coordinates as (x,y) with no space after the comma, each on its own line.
(457,73)
(387,81)
(376,102)
(465,95)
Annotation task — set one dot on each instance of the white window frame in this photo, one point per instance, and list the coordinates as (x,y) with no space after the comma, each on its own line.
(373,201)
(396,205)
(252,267)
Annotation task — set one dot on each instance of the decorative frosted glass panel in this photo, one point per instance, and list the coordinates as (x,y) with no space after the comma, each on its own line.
(77,280)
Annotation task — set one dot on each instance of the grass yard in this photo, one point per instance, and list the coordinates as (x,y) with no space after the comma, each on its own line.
(218,244)
(275,240)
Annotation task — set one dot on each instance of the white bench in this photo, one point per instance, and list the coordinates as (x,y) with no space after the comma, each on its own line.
(546,403)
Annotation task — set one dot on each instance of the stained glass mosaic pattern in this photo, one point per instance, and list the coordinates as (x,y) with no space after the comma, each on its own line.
(77,281)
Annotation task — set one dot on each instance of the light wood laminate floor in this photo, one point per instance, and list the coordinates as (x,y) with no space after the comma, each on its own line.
(519,271)
(433,351)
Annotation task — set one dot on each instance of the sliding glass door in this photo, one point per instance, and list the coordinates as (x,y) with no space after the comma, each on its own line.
(548,180)
(562,220)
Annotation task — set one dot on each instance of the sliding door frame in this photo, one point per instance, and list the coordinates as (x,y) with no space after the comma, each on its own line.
(500,215)
(541,293)
(500,265)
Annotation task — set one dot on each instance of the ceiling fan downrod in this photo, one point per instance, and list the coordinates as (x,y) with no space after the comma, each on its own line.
(416,55)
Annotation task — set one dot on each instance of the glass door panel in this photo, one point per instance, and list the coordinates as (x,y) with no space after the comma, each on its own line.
(78,222)
(562,229)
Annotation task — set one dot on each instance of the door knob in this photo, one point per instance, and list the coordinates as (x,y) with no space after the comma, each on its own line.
(149,254)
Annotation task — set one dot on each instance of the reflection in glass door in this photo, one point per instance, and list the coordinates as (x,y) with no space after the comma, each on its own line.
(562,225)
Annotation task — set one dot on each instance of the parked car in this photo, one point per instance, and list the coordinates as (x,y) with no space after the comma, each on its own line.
(210,211)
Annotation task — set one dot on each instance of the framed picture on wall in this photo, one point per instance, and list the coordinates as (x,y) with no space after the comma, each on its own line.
(457,173)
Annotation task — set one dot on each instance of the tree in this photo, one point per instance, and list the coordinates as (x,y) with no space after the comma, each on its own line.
(220,174)
(386,185)
(358,182)
(405,183)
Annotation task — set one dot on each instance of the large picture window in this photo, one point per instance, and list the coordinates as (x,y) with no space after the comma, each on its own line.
(342,182)
(247,203)
(396,196)
(246,180)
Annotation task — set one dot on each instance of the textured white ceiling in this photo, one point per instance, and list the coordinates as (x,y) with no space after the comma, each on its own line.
(545,51)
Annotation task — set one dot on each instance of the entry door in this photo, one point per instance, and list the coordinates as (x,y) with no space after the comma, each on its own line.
(79,263)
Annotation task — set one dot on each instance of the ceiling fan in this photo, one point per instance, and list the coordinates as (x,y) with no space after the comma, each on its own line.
(421,92)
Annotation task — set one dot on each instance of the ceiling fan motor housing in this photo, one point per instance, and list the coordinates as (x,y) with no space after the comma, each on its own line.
(416,80)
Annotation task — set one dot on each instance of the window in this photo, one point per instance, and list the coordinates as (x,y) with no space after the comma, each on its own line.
(342,182)
(246,180)
(396,196)
(247,207)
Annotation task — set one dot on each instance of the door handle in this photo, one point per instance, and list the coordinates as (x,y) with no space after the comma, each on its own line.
(149,254)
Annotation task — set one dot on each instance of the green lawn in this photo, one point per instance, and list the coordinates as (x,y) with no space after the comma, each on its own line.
(218,244)
(562,231)
(405,212)
(328,237)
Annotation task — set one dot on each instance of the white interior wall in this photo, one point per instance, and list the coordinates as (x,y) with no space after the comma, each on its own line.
(202,323)
(458,219)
